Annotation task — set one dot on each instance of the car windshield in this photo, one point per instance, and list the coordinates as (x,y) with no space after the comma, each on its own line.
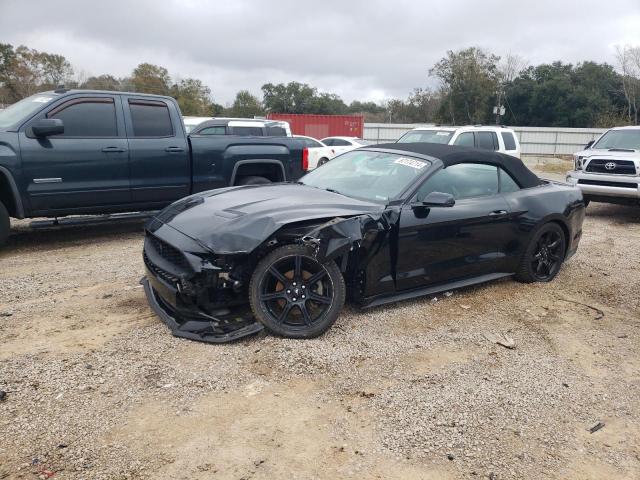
(623,139)
(23,109)
(366,175)
(427,136)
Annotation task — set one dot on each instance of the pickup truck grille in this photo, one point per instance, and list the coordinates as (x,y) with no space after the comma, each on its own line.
(622,167)
(168,252)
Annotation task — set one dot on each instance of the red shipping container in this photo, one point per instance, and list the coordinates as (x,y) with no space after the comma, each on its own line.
(321,126)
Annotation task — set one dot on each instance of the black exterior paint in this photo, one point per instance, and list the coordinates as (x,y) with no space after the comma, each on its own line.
(386,252)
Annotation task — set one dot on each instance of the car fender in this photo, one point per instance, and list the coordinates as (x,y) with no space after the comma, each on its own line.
(256,162)
(4,172)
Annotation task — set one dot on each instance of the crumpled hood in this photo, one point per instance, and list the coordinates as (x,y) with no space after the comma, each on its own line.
(238,219)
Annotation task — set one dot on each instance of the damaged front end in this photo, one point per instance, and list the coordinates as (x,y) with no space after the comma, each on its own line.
(198,296)
(203,296)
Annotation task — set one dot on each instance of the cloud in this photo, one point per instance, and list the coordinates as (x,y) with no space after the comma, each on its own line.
(359,49)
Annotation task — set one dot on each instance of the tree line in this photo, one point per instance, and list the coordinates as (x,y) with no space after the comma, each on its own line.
(471,83)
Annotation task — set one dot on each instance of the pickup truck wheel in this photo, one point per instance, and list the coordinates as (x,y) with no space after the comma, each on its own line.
(294,295)
(543,258)
(5,225)
(253,180)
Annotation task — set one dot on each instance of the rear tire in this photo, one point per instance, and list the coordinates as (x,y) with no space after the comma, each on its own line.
(322,161)
(294,295)
(253,180)
(5,225)
(544,255)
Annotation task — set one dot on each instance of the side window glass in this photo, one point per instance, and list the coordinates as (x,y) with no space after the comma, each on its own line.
(509,141)
(486,140)
(507,183)
(87,117)
(464,180)
(220,130)
(150,118)
(338,142)
(464,140)
(247,131)
(328,142)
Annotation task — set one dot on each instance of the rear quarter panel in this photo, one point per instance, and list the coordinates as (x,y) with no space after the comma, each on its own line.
(215,158)
(533,207)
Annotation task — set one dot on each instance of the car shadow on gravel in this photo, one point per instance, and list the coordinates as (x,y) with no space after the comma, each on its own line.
(616,213)
(23,235)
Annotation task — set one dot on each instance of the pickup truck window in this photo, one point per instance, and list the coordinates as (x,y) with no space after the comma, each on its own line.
(150,119)
(23,109)
(87,117)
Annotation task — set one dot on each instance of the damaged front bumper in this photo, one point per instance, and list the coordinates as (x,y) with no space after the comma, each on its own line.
(225,327)
(194,297)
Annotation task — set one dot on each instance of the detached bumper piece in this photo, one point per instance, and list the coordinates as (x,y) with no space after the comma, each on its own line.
(198,325)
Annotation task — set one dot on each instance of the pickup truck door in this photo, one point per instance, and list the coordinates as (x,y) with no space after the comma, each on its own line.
(158,151)
(86,166)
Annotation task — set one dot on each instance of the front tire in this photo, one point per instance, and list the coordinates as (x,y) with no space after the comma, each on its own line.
(5,225)
(294,295)
(543,258)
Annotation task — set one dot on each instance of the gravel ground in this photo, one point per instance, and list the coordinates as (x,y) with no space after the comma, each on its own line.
(97,388)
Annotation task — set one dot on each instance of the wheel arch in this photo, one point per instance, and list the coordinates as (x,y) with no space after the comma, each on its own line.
(268,168)
(10,195)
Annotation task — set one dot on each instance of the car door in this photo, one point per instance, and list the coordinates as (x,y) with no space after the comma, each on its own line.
(437,245)
(158,151)
(86,166)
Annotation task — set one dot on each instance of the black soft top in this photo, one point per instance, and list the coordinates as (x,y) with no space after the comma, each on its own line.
(451,155)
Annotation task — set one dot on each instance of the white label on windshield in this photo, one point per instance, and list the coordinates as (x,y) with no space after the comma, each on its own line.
(408,162)
(443,133)
(42,99)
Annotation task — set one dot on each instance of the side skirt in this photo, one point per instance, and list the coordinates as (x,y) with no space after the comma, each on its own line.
(407,295)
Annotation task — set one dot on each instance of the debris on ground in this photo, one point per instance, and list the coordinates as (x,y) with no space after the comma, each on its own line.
(3,395)
(596,427)
(448,294)
(501,339)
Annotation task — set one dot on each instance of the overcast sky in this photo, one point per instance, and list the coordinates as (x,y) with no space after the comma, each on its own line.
(359,49)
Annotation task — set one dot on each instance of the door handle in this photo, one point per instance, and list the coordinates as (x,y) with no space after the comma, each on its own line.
(498,213)
(113,150)
(174,149)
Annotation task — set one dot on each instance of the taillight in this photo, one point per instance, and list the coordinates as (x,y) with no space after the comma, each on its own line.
(305,159)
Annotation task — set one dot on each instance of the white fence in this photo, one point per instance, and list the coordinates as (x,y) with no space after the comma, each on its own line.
(533,140)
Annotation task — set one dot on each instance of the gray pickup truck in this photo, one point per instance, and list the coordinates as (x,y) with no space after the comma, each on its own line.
(69,152)
(608,170)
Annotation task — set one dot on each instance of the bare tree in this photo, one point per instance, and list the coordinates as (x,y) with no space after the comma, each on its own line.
(629,63)
(509,68)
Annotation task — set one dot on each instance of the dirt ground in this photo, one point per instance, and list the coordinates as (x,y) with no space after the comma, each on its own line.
(97,388)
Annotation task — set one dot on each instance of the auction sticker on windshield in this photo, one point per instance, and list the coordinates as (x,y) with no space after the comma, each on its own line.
(42,99)
(409,162)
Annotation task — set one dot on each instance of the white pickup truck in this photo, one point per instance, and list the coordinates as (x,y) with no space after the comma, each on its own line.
(608,169)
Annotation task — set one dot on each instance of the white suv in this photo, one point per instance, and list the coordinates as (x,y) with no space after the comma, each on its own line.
(498,139)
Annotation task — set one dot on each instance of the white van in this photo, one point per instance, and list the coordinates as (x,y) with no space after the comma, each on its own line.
(499,139)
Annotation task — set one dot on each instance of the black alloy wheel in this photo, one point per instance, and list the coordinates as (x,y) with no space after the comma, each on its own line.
(294,295)
(544,256)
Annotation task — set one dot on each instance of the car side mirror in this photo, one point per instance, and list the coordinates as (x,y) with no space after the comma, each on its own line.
(588,145)
(47,127)
(439,199)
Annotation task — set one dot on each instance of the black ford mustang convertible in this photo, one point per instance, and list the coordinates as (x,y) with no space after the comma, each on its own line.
(375,225)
